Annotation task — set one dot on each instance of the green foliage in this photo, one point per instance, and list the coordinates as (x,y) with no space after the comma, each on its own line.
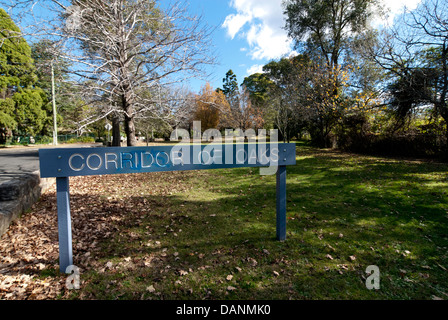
(6,111)
(326,25)
(230,84)
(352,133)
(16,64)
(21,101)
(327,32)
(82,139)
(28,110)
(417,86)
(258,86)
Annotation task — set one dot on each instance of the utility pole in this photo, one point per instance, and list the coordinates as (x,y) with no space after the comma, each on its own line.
(53,98)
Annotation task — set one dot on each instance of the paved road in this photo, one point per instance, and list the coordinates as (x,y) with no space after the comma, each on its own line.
(17,161)
(14,162)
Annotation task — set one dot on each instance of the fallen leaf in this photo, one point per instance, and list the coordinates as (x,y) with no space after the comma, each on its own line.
(229,277)
(441,267)
(151,289)
(252,261)
(183,273)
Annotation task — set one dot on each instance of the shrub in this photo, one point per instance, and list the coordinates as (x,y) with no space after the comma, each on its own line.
(82,139)
(352,134)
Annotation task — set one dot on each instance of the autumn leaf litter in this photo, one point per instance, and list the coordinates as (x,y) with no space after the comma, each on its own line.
(29,261)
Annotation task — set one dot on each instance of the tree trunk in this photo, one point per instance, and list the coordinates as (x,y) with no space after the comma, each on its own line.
(129,127)
(445,117)
(3,135)
(116,136)
(129,124)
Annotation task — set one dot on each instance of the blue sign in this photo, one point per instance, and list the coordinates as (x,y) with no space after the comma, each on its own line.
(63,163)
(101,161)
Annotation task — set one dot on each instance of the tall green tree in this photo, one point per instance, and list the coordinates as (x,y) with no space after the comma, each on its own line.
(324,30)
(230,84)
(230,89)
(290,78)
(326,26)
(21,101)
(259,88)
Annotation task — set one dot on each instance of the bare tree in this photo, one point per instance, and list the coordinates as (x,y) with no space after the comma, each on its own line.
(415,54)
(174,109)
(430,25)
(126,51)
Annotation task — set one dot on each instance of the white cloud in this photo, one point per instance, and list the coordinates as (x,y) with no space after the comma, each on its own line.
(394,8)
(397,6)
(260,23)
(257,68)
(235,22)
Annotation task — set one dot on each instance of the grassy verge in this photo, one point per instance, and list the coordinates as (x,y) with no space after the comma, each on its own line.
(211,234)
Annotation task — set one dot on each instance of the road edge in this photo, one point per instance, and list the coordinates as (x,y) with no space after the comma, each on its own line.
(28,189)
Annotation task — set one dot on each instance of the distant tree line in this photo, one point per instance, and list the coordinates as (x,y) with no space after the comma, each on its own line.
(349,84)
(355,87)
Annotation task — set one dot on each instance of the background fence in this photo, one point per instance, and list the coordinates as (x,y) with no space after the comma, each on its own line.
(64,138)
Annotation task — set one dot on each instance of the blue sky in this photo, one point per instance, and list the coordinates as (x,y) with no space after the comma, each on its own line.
(236,44)
(249,34)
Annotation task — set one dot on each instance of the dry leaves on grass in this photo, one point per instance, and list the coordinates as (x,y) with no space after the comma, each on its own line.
(29,253)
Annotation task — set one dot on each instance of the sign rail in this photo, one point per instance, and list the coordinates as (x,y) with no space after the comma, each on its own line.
(62,163)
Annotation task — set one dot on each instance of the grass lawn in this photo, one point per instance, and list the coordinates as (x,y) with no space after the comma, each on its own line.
(211,234)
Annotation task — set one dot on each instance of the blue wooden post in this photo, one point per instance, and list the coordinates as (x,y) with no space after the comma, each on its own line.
(64,224)
(281,203)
